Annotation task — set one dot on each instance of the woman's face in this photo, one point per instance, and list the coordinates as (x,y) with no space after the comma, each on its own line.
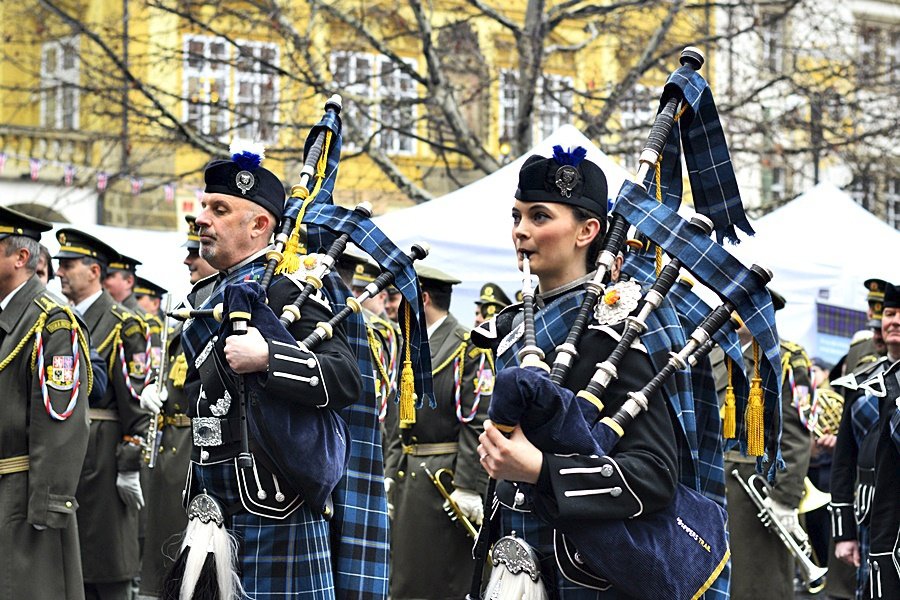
(554,240)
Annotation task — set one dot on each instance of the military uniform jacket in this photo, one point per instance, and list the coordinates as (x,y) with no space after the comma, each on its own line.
(439,441)
(328,379)
(884,548)
(853,465)
(165,514)
(40,564)
(107,529)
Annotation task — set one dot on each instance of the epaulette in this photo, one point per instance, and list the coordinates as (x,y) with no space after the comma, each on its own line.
(137,324)
(864,335)
(48,302)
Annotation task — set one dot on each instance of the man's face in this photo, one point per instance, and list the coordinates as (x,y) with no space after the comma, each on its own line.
(890,330)
(197,266)
(119,284)
(228,230)
(392,305)
(8,266)
(77,280)
(41,270)
(148,303)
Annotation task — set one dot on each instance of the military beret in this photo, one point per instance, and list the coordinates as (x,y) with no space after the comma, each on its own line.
(193,234)
(243,176)
(78,244)
(891,296)
(12,222)
(566,178)
(145,287)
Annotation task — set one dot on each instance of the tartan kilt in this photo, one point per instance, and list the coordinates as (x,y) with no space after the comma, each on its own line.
(276,558)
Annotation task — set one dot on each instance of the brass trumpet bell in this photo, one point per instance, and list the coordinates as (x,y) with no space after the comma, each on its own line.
(813,498)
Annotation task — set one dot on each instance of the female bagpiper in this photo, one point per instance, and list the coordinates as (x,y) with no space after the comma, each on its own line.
(559,219)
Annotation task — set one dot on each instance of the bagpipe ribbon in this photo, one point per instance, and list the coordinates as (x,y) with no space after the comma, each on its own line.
(710,170)
(331,220)
(721,272)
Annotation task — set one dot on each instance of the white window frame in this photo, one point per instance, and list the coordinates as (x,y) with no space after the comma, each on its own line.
(364,78)
(212,69)
(549,118)
(256,77)
(892,198)
(773,41)
(61,80)
(400,85)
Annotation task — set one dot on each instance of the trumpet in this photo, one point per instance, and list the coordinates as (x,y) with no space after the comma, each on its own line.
(450,506)
(758,490)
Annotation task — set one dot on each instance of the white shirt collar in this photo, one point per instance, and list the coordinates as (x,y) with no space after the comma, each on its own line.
(433,327)
(83,306)
(5,302)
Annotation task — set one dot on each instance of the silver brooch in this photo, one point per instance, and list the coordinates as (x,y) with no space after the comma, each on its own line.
(517,556)
(566,179)
(220,408)
(205,508)
(617,303)
(244,180)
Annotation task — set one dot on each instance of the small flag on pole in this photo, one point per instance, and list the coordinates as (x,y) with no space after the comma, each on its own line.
(102,181)
(69,174)
(35,168)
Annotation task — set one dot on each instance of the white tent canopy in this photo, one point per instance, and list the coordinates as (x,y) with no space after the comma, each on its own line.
(470,229)
(821,247)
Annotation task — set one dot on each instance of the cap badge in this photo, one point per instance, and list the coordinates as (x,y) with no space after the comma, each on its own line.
(244,180)
(566,179)
(62,238)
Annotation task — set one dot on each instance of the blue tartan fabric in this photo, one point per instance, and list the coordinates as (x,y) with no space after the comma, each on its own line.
(552,324)
(278,558)
(864,416)
(710,170)
(720,271)
(895,427)
(197,332)
(330,220)
(360,526)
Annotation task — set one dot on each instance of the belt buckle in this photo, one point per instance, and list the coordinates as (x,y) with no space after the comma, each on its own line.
(207,431)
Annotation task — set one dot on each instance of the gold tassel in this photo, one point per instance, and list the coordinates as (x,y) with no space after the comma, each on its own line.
(729,425)
(407,379)
(754,418)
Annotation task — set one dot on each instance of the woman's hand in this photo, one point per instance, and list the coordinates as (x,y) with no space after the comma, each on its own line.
(512,459)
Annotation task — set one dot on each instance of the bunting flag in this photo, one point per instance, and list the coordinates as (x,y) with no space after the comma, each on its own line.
(198,193)
(2,162)
(102,181)
(69,174)
(169,192)
(137,184)
(35,168)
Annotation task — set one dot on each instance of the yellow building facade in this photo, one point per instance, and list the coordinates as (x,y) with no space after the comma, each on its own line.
(110,110)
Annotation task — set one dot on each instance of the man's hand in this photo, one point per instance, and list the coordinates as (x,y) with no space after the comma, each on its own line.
(128,484)
(848,552)
(470,504)
(248,353)
(827,442)
(388,489)
(150,400)
(513,459)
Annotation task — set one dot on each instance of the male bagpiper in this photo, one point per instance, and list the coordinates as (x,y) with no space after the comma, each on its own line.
(109,490)
(44,374)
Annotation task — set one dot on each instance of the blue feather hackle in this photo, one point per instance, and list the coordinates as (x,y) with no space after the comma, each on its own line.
(247,160)
(573,156)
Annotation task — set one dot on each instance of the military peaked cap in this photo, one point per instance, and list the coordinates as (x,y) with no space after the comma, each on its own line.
(193,235)
(145,287)
(12,222)
(78,244)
